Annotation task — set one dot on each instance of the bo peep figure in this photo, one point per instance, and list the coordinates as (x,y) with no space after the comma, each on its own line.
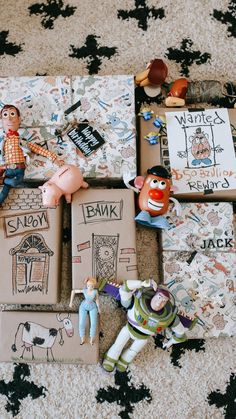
(90,305)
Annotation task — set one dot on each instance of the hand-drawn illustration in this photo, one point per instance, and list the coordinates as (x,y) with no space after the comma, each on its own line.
(16,224)
(103,236)
(104,258)
(83,246)
(201,150)
(36,335)
(30,265)
(201,147)
(23,199)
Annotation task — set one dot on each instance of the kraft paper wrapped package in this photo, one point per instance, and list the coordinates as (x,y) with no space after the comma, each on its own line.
(88,121)
(103,236)
(199,266)
(29,336)
(30,236)
(154,154)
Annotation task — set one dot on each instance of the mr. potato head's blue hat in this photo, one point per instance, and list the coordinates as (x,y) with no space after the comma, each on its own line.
(159,171)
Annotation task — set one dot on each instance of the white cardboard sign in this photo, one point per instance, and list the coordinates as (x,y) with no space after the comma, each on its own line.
(202,155)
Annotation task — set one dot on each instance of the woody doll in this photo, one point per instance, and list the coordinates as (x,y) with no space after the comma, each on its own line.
(14,150)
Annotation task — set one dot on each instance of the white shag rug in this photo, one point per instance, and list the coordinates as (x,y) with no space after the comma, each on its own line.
(196,39)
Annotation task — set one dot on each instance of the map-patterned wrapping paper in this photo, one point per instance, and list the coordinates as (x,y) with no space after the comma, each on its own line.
(106,102)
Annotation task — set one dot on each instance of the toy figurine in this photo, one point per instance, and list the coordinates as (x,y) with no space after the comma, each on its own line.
(14,150)
(153,77)
(155,73)
(154,197)
(177,93)
(152,137)
(146,113)
(151,310)
(90,305)
(67,180)
(160,121)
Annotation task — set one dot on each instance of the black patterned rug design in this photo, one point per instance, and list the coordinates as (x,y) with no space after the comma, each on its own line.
(19,388)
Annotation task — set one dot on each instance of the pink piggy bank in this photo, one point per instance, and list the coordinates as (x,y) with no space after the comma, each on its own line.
(67,180)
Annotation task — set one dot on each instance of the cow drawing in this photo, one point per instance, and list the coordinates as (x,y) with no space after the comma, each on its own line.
(34,334)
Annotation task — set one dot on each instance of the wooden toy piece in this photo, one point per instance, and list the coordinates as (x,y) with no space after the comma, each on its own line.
(67,180)
(15,150)
(145,318)
(174,102)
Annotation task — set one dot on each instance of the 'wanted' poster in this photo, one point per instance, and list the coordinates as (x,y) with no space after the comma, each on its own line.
(201,150)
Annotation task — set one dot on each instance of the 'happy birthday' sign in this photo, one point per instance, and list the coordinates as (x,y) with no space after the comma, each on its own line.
(85,138)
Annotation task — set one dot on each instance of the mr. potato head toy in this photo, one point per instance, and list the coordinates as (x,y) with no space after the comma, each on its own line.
(154,197)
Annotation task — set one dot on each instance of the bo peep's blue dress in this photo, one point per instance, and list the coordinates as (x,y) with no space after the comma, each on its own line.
(88,305)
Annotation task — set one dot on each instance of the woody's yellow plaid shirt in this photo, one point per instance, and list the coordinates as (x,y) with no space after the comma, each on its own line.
(13,152)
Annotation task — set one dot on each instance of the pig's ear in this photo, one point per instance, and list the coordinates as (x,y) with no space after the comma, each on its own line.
(139,181)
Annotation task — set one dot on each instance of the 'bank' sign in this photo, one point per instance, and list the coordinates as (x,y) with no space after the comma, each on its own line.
(94,212)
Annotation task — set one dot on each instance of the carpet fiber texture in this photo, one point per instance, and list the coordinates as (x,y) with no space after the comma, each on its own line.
(196,39)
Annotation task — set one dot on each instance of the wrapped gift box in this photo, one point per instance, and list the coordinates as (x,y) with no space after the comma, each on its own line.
(42,100)
(31,246)
(44,337)
(199,266)
(205,227)
(49,104)
(155,154)
(103,236)
(204,286)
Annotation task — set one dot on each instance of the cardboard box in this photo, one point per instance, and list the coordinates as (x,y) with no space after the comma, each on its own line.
(199,266)
(30,256)
(44,337)
(105,102)
(152,155)
(103,236)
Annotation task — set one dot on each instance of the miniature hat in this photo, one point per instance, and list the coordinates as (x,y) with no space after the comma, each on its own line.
(159,171)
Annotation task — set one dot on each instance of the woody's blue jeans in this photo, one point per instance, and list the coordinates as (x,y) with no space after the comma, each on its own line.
(13,177)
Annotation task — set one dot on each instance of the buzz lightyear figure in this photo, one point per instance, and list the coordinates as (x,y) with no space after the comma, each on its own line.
(151,310)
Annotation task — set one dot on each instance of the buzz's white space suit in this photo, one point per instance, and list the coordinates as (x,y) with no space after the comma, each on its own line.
(142,322)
